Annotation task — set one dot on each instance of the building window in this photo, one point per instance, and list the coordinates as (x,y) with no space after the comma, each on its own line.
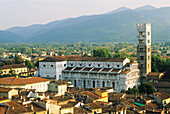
(108,65)
(93,84)
(75,83)
(148,41)
(148,57)
(117,65)
(103,84)
(64,64)
(84,83)
(44,65)
(148,49)
(148,64)
(113,84)
(141,57)
(141,65)
(98,65)
(148,33)
(51,65)
(80,64)
(141,49)
(71,64)
(89,64)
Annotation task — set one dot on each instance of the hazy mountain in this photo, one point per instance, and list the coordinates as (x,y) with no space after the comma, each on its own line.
(147,7)
(118,26)
(118,10)
(9,37)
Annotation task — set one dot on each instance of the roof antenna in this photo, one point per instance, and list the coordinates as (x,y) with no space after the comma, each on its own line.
(143,19)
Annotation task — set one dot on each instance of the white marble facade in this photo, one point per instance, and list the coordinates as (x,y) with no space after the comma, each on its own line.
(117,73)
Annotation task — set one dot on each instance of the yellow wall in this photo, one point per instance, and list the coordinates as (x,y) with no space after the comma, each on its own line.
(165,100)
(6,100)
(97,110)
(102,94)
(17,70)
(67,110)
(104,99)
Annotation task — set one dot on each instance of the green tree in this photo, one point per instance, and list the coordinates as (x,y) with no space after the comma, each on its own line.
(18,59)
(133,91)
(29,64)
(101,52)
(146,88)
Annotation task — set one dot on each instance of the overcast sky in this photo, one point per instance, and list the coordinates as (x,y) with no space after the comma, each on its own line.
(27,12)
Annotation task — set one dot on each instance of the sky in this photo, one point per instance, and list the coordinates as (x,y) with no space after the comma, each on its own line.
(28,12)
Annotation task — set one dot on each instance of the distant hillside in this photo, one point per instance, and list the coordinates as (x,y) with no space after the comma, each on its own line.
(117,26)
(9,37)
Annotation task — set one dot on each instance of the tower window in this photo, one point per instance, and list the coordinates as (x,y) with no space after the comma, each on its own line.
(148,49)
(148,41)
(148,33)
(142,57)
(148,57)
(141,65)
(141,49)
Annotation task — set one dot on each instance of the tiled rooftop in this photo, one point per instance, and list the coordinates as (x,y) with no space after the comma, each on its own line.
(21,81)
(13,66)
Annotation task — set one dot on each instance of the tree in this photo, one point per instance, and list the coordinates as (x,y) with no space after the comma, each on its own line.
(146,88)
(133,91)
(18,59)
(29,64)
(101,52)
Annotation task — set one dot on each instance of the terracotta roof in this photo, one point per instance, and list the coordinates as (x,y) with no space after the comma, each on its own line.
(80,110)
(61,98)
(97,105)
(154,74)
(59,82)
(21,81)
(79,58)
(5,90)
(13,66)
(162,95)
(90,95)
(125,71)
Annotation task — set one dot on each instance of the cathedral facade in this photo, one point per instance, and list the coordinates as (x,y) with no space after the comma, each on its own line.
(90,72)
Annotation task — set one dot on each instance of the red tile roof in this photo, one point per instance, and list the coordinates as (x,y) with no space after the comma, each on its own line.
(13,66)
(125,71)
(79,58)
(21,81)
(5,90)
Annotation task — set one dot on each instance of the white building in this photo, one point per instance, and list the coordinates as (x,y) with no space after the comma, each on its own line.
(90,72)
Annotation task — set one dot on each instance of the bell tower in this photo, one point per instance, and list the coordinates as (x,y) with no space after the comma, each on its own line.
(144,49)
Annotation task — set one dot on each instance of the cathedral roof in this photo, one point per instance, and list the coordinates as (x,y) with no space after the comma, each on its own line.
(79,58)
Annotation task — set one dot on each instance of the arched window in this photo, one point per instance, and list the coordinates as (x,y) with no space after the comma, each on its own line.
(93,83)
(103,84)
(84,83)
(113,84)
(75,83)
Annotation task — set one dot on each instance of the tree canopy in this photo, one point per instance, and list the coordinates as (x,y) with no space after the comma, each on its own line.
(101,52)
(146,88)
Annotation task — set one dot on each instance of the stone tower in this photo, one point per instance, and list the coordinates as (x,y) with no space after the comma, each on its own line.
(144,49)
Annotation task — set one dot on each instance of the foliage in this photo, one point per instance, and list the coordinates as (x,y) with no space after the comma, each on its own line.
(159,64)
(18,59)
(146,88)
(29,64)
(133,91)
(101,52)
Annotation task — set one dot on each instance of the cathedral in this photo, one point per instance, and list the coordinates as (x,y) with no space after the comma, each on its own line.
(90,72)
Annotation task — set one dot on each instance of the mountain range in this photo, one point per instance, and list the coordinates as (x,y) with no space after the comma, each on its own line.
(115,26)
